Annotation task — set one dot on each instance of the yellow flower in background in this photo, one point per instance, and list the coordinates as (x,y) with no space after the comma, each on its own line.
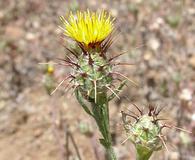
(88,28)
(50,69)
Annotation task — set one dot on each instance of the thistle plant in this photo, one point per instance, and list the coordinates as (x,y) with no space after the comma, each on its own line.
(92,76)
(94,83)
(145,132)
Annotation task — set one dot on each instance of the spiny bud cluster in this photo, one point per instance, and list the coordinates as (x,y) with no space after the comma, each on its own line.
(145,131)
(93,74)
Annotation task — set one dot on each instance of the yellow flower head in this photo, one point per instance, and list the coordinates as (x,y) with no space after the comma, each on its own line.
(88,28)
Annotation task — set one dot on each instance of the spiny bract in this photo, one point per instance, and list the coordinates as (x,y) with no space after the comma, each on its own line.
(145,132)
(94,77)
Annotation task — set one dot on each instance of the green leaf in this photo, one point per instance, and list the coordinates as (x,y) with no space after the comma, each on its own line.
(81,102)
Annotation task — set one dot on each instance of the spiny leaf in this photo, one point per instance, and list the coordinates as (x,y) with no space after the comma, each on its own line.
(81,102)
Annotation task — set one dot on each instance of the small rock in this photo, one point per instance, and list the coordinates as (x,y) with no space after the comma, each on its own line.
(193,117)
(186,99)
(36,24)
(38,132)
(186,95)
(154,44)
(148,56)
(157,24)
(114,12)
(138,1)
(192,62)
(30,36)
(191,11)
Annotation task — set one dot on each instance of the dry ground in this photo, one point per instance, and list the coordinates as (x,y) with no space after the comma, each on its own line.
(160,40)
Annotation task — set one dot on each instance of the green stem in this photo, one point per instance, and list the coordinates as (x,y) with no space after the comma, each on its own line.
(101,114)
(110,155)
(142,153)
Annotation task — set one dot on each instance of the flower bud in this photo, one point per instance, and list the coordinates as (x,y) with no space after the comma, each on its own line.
(144,132)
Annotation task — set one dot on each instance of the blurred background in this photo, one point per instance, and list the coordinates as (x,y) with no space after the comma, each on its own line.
(158,36)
